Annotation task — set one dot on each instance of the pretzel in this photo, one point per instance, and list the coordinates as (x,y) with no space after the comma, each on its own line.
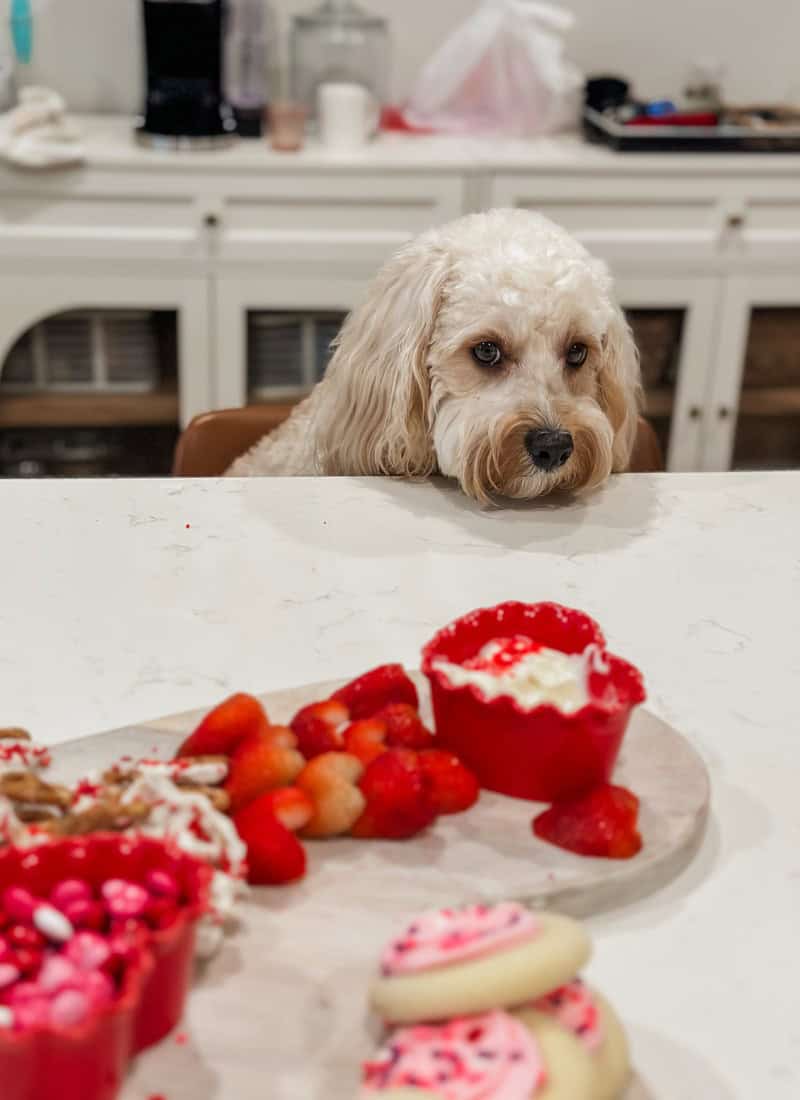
(28,788)
(108,815)
(14,733)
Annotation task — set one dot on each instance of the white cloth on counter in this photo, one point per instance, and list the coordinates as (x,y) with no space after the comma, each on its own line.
(37,133)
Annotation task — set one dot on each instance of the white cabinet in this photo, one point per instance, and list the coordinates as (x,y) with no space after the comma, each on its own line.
(707,243)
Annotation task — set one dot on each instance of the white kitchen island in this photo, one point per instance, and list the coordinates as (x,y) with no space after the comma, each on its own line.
(121,601)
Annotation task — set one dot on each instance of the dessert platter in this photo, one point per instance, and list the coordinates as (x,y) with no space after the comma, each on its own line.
(286,840)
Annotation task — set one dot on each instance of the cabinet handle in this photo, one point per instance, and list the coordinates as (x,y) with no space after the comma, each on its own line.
(695,412)
(735,221)
(723,412)
(211,221)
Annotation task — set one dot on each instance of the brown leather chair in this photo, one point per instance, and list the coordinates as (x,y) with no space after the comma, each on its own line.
(214,439)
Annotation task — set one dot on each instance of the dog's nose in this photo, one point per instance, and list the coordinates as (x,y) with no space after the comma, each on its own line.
(549,448)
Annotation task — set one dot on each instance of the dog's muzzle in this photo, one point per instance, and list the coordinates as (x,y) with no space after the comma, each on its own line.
(549,448)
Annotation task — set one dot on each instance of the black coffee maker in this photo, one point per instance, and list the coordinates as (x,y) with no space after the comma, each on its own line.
(184,101)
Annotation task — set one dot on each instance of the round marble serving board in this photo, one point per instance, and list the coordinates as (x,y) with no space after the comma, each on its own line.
(281,1012)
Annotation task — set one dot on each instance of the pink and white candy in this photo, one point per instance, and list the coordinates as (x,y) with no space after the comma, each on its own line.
(124,899)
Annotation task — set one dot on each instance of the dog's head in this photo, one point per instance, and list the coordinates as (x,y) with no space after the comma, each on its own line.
(490,350)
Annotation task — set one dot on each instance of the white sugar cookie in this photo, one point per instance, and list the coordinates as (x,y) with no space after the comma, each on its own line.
(399,1094)
(505,977)
(612,1059)
(571,1073)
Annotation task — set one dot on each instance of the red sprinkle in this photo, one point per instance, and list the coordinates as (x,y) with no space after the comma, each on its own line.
(181,1038)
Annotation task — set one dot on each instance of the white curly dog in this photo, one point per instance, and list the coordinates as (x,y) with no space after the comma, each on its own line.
(490,350)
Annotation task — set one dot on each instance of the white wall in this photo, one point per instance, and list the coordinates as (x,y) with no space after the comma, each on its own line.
(90,49)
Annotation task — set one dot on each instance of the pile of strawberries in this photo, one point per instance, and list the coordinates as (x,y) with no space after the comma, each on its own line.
(361,763)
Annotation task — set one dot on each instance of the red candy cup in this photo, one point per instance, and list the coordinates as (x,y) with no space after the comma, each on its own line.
(89,1061)
(540,754)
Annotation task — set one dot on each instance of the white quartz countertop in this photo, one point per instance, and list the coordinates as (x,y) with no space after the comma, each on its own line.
(109,143)
(124,600)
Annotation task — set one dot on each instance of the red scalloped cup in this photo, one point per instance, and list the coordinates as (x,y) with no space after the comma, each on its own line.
(89,1061)
(540,754)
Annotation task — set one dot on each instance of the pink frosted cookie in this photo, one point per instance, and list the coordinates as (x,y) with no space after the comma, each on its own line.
(582,1024)
(491,1055)
(455,962)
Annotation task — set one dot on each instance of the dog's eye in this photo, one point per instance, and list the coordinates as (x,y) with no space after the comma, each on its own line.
(576,355)
(487,353)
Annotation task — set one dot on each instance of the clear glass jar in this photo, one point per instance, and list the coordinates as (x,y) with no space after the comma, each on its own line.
(338,43)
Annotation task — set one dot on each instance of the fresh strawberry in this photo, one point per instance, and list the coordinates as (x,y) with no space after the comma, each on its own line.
(398,802)
(274,854)
(600,823)
(452,787)
(404,727)
(261,763)
(330,781)
(366,739)
(367,694)
(225,727)
(291,806)
(317,727)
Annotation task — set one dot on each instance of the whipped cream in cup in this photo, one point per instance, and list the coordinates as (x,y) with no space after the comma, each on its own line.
(527,672)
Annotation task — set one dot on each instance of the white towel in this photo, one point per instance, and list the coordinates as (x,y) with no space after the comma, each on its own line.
(38,134)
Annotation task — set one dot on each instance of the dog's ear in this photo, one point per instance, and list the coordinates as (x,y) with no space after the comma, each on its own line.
(373,417)
(620,387)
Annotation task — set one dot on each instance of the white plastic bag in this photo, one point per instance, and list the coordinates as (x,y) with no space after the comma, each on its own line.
(503,71)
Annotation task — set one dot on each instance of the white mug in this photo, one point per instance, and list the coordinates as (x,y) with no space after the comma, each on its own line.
(348,115)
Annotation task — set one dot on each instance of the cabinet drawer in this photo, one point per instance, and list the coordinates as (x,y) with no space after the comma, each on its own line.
(85,217)
(356,218)
(622,219)
(770,223)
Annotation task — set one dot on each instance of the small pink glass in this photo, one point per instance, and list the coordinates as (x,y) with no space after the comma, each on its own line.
(287,126)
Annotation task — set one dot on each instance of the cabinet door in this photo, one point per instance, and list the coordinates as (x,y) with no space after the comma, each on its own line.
(32,295)
(271,331)
(673,324)
(754,393)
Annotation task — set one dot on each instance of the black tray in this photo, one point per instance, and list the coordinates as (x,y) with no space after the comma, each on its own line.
(725,138)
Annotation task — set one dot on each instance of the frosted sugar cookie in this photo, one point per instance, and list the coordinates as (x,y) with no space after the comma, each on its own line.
(454,962)
(585,1016)
(469,1058)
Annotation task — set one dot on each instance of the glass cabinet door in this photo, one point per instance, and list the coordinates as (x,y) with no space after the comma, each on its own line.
(755,395)
(767,431)
(672,322)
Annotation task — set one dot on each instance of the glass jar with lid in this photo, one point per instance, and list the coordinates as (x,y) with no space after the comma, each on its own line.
(339,42)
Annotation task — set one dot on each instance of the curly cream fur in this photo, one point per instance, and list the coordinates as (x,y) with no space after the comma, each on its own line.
(403,396)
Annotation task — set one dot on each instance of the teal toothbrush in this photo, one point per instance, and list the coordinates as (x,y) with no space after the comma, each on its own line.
(22,29)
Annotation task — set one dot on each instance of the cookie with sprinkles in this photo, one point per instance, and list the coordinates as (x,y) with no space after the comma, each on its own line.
(588,1019)
(469,1058)
(455,962)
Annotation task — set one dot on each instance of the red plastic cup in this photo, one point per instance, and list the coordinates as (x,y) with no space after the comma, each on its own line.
(89,1061)
(540,754)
